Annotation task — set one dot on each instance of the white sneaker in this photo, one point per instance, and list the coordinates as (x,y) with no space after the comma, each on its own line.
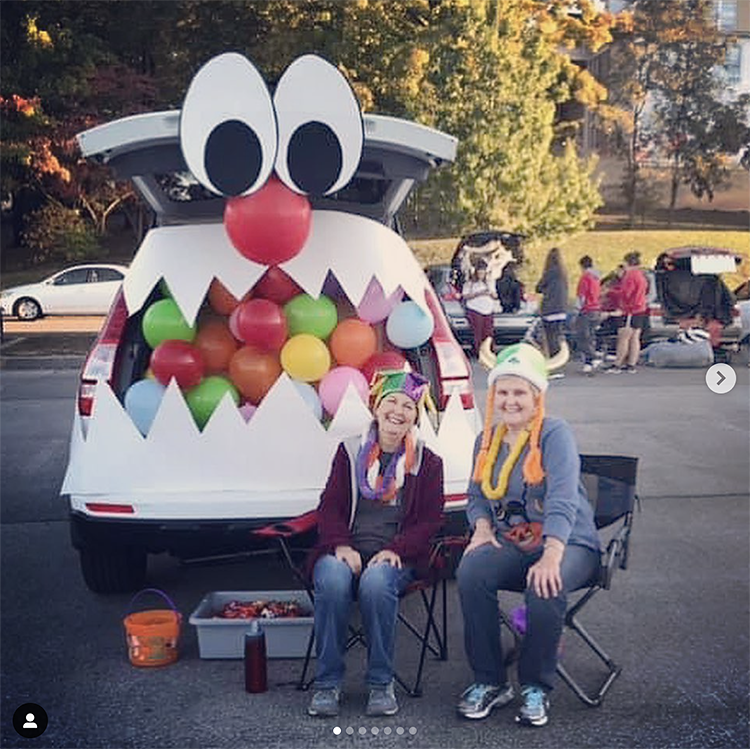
(587,369)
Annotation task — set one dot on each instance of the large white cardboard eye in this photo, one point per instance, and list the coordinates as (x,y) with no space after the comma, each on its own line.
(320,127)
(228,128)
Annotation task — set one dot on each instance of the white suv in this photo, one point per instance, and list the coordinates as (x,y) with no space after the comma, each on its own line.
(195,492)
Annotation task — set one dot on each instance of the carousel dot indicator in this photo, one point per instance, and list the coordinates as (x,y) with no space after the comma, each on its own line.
(350,730)
(362,731)
(375,730)
(336,730)
(400,731)
(387,730)
(412,731)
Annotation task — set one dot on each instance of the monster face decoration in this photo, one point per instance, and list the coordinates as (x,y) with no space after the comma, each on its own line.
(264,331)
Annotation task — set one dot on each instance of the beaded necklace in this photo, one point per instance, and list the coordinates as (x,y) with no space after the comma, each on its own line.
(498,492)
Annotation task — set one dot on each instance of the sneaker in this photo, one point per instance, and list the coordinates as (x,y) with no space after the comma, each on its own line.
(630,368)
(587,369)
(324,703)
(479,699)
(597,363)
(382,701)
(533,712)
(612,369)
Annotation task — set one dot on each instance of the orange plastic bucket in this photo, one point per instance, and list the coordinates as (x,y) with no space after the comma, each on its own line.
(152,636)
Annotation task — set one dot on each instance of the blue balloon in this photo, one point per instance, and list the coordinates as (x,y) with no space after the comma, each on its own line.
(310,396)
(142,401)
(409,326)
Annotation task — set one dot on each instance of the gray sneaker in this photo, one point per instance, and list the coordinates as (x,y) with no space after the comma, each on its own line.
(382,701)
(479,699)
(324,703)
(535,707)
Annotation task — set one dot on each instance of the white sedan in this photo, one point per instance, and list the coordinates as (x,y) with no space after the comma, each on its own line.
(79,290)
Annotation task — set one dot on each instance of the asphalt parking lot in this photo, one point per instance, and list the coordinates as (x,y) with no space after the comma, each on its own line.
(676,619)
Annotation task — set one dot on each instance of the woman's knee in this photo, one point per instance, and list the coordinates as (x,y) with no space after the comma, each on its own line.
(332,578)
(377,582)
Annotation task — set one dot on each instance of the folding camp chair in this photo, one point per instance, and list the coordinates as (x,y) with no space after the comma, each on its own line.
(610,481)
(431,634)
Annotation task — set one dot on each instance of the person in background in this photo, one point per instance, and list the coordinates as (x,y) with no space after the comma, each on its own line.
(381,506)
(532,531)
(589,314)
(553,286)
(635,315)
(509,289)
(479,301)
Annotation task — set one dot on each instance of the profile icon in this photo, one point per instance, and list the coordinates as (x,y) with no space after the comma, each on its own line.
(30,720)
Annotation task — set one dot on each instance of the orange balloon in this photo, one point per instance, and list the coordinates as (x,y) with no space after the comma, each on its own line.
(253,372)
(217,344)
(221,299)
(353,342)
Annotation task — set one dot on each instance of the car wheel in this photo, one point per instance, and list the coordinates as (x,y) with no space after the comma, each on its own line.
(113,570)
(27,309)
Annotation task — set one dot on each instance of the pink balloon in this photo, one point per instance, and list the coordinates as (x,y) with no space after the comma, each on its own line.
(333,386)
(247,410)
(374,306)
(233,319)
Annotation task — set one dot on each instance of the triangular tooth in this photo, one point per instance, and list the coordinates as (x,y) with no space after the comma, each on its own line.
(427,433)
(456,436)
(352,416)
(286,446)
(356,249)
(188,258)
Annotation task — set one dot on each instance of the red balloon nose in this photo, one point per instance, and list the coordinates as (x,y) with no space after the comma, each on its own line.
(270,226)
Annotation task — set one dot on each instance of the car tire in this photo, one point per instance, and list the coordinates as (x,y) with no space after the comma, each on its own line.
(27,309)
(113,570)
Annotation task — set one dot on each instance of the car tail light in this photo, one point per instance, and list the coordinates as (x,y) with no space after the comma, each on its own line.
(104,507)
(464,388)
(100,363)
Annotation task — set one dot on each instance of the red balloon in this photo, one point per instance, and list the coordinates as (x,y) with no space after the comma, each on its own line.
(178,359)
(221,299)
(269,226)
(277,286)
(253,372)
(382,361)
(353,342)
(262,324)
(216,343)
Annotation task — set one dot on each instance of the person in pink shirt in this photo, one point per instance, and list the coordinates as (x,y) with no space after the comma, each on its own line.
(634,310)
(589,314)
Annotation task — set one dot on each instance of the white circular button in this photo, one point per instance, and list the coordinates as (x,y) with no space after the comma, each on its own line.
(720,378)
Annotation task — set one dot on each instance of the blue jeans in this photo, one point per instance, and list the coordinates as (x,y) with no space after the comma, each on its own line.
(378,589)
(488,569)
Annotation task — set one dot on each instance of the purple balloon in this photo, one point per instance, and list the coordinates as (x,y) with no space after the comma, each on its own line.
(247,410)
(333,386)
(374,306)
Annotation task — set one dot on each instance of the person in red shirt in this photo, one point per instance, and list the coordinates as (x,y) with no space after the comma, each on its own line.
(634,310)
(589,313)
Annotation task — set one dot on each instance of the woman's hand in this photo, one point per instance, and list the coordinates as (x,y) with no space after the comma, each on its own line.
(386,556)
(544,576)
(483,534)
(350,557)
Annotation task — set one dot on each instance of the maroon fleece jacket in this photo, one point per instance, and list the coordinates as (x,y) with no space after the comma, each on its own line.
(422,497)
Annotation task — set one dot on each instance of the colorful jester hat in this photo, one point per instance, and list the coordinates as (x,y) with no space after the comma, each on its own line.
(412,384)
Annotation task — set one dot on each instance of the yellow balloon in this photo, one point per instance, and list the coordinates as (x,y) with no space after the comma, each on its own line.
(305,357)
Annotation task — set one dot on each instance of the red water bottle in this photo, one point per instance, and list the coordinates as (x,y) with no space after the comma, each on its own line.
(256,678)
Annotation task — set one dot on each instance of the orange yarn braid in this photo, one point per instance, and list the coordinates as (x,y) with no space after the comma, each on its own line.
(486,436)
(533,471)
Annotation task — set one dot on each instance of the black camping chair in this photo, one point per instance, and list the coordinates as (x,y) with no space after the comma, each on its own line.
(430,633)
(610,482)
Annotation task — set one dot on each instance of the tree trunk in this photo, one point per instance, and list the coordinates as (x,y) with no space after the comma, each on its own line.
(675,186)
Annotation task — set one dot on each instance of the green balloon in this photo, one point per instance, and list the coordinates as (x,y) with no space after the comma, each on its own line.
(317,317)
(163,321)
(203,399)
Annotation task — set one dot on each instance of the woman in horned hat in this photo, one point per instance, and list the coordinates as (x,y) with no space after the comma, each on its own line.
(532,531)
(380,508)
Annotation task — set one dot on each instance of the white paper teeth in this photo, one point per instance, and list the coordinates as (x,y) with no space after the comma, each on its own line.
(353,248)
(282,447)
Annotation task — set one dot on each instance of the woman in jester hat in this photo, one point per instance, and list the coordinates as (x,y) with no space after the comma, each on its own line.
(532,531)
(377,515)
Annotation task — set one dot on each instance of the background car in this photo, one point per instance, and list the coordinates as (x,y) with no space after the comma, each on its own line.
(79,290)
(497,248)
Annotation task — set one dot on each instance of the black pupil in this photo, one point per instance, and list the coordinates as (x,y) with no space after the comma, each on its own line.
(314,158)
(233,157)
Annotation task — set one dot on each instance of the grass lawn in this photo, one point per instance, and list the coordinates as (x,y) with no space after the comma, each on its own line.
(606,248)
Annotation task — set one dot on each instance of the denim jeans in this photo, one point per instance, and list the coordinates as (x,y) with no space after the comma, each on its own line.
(488,569)
(377,589)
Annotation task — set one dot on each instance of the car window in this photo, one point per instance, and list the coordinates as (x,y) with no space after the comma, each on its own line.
(104,274)
(79,275)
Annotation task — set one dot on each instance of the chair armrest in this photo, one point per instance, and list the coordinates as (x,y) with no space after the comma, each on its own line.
(289,528)
(615,555)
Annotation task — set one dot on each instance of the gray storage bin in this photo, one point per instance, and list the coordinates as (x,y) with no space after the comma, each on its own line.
(225,638)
